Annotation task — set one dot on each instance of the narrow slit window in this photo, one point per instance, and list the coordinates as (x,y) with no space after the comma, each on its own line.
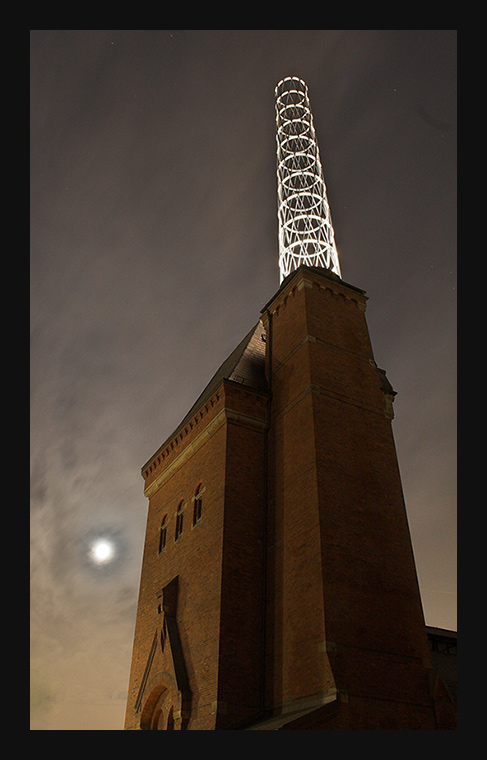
(179,521)
(198,505)
(163,534)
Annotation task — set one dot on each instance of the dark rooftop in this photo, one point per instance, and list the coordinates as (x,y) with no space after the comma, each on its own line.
(245,365)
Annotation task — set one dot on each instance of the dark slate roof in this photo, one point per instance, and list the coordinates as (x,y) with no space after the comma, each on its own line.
(250,366)
(245,365)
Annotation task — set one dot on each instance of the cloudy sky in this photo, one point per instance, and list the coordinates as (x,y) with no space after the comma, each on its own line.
(154,247)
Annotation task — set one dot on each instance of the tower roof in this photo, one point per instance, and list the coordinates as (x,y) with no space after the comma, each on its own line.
(245,365)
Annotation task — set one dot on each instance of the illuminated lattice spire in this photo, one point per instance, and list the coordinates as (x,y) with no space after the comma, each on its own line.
(305,230)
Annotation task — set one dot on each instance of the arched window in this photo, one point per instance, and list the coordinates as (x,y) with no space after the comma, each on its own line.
(163,534)
(179,520)
(197,504)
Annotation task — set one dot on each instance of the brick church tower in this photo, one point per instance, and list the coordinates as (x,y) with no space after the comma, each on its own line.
(278,587)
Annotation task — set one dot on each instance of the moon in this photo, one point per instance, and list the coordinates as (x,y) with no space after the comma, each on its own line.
(102,551)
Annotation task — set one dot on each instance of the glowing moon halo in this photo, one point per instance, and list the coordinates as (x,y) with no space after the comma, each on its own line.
(102,551)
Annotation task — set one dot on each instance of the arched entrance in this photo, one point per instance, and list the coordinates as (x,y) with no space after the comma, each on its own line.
(158,711)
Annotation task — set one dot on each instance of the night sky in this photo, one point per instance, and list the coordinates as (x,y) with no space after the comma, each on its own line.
(153,249)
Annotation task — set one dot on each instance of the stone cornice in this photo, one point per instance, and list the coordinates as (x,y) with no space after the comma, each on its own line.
(225,415)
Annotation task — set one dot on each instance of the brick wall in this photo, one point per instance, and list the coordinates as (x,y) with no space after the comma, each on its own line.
(218,561)
(345,613)
(296,589)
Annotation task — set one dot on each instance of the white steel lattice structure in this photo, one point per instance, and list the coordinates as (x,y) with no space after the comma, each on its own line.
(306,233)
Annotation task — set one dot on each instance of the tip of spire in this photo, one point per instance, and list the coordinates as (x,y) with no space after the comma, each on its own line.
(282,83)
